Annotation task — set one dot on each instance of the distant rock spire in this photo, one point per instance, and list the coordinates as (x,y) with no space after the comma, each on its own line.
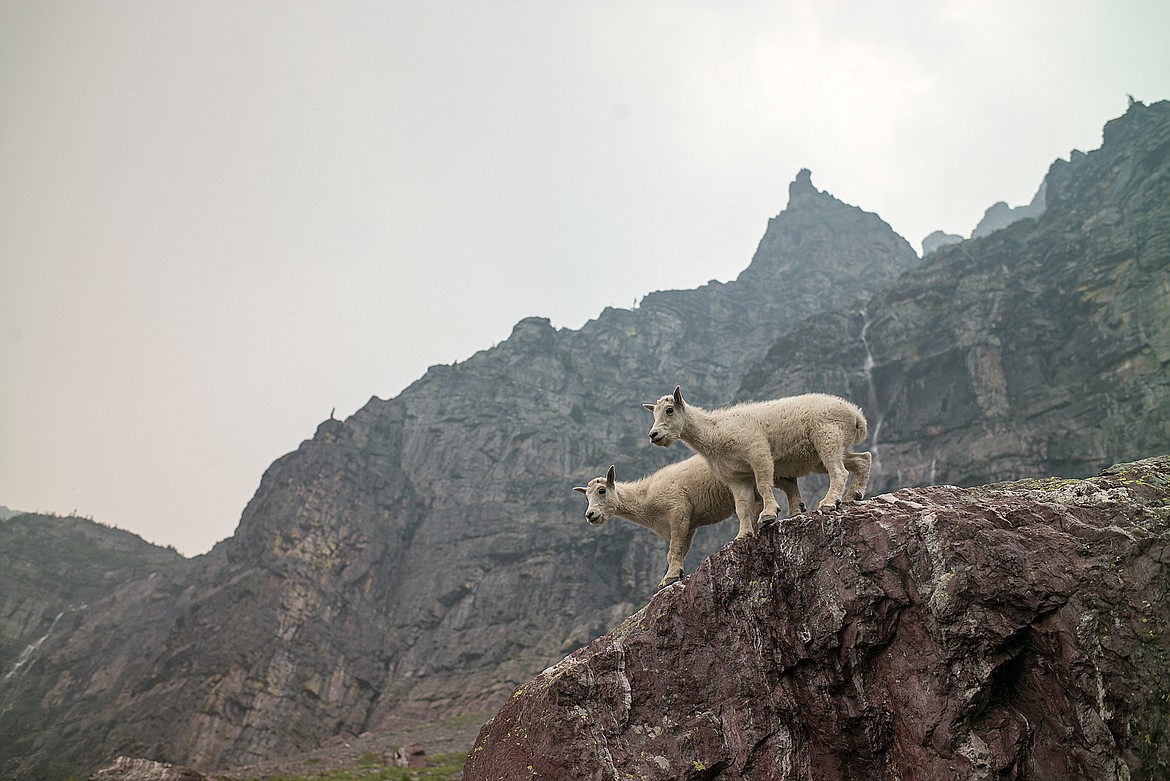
(801,188)
(937,240)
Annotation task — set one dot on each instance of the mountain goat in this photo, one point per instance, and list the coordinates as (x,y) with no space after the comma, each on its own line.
(747,445)
(672,502)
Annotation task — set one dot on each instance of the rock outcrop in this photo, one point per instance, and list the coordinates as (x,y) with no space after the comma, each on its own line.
(1016,630)
(938,240)
(131,769)
(999,215)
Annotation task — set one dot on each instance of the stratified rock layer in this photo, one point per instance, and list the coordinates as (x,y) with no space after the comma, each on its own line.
(1016,630)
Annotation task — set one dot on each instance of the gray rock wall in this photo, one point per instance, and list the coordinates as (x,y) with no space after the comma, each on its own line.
(425,556)
(1043,348)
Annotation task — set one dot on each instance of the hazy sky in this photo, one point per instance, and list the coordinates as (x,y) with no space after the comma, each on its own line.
(219,220)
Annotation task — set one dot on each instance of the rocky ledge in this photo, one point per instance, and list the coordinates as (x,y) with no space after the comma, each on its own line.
(1017,630)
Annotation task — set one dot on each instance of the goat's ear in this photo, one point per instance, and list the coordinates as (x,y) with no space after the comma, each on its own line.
(609,477)
(580,489)
(678,396)
(649,407)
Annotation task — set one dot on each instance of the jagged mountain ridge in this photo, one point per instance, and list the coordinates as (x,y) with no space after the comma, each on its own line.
(426,555)
(1042,348)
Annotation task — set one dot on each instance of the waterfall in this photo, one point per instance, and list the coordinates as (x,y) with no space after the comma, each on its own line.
(30,651)
(22,662)
(871,394)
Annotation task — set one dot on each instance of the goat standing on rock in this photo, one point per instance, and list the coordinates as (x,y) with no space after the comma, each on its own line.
(672,502)
(745,446)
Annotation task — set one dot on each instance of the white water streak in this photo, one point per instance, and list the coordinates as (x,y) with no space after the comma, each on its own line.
(871,398)
(29,652)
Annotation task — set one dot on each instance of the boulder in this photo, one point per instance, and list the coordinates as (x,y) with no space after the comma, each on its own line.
(1015,630)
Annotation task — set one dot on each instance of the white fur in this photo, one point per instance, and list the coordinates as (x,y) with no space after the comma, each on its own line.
(748,444)
(672,502)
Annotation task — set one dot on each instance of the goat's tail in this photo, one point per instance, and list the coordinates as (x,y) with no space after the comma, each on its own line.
(862,429)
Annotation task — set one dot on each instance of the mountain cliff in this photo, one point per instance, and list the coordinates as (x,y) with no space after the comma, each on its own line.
(426,555)
(1008,631)
(1043,348)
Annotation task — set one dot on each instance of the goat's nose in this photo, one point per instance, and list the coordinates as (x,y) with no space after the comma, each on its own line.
(589,516)
(653,434)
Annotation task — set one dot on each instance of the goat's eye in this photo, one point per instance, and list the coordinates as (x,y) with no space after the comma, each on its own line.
(670,410)
(601,491)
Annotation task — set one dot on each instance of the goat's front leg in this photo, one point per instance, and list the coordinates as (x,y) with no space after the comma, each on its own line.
(792,492)
(680,544)
(762,467)
(747,508)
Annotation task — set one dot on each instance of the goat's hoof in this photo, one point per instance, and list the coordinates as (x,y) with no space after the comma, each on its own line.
(803,508)
(669,581)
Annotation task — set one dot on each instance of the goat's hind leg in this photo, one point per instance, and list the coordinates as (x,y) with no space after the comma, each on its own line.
(833,461)
(792,492)
(833,449)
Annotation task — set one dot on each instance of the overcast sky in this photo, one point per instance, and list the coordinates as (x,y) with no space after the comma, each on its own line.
(219,220)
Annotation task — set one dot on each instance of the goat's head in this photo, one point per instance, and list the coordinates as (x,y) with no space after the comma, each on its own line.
(669,414)
(602,498)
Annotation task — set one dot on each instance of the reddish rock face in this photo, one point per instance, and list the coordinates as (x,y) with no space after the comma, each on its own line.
(1013,631)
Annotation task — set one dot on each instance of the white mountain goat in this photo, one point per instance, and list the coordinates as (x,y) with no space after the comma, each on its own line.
(672,502)
(747,445)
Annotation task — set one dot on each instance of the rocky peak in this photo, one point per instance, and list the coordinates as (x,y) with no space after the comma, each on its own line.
(938,240)
(537,329)
(816,240)
(1006,631)
(802,192)
(1000,215)
(1134,147)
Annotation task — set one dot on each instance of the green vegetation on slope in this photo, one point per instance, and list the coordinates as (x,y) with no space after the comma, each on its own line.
(440,767)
